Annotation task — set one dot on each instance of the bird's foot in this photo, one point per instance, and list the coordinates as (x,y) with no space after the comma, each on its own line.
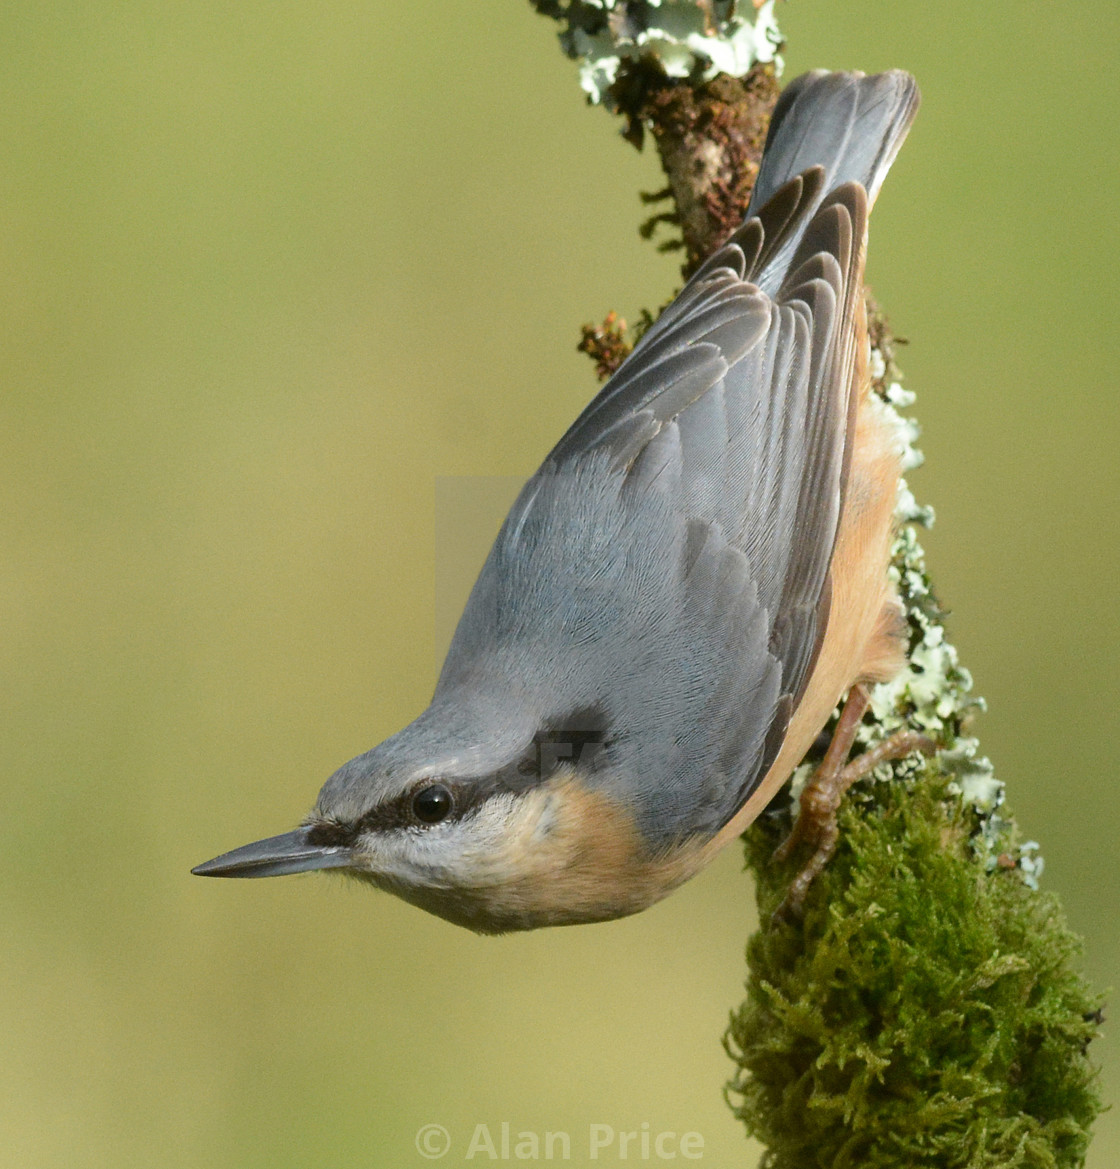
(821,796)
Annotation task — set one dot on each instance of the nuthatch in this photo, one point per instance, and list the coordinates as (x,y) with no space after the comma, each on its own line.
(680,595)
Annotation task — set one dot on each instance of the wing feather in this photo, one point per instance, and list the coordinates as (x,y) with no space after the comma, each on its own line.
(672,555)
(734,412)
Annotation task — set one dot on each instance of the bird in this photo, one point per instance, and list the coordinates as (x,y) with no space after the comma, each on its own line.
(680,596)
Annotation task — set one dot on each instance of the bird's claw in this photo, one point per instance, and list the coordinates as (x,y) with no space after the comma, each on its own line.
(822,795)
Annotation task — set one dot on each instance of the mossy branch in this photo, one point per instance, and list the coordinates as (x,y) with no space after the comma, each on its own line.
(927,1009)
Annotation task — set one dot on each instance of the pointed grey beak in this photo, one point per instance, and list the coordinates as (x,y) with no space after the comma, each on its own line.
(277,856)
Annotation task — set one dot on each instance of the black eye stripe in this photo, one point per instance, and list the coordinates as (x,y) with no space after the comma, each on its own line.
(580,739)
(401,812)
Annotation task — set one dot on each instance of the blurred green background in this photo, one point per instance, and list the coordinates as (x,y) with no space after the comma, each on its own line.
(270,270)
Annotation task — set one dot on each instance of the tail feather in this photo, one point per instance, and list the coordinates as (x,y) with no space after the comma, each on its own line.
(849,125)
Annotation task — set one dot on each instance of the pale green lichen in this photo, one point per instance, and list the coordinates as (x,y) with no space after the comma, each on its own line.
(693,39)
(933,693)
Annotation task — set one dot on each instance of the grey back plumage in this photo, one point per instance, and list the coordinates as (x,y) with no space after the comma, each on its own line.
(662,581)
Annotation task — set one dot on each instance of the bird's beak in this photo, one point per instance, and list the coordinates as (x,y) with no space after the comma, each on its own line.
(277,856)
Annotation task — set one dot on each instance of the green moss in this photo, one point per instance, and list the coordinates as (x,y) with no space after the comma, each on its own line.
(925,1012)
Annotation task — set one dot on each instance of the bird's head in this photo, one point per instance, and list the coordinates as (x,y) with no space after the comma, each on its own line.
(494,839)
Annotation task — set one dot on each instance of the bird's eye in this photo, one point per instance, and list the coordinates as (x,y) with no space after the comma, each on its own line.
(432,804)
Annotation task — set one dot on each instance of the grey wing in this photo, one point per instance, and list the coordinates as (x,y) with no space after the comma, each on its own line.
(671,558)
(668,565)
(736,412)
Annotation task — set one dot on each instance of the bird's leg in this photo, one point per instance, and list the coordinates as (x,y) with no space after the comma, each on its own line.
(821,796)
